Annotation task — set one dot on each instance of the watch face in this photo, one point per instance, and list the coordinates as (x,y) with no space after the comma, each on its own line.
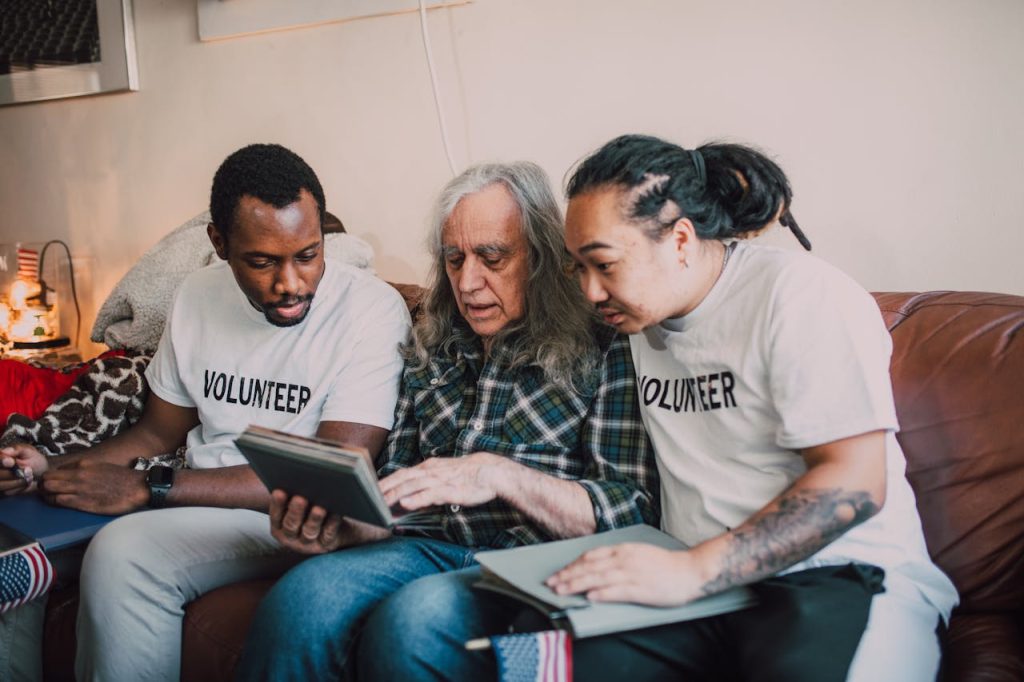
(160,476)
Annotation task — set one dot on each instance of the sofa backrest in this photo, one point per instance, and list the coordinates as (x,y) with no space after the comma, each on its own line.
(958,379)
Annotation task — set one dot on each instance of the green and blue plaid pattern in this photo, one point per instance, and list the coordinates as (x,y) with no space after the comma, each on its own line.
(464,404)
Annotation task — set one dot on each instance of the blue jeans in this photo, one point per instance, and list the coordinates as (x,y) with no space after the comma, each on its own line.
(400,609)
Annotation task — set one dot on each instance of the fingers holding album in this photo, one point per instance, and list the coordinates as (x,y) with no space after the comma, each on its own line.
(296,524)
(310,529)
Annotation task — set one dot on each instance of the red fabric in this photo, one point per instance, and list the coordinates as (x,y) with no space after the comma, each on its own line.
(30,390)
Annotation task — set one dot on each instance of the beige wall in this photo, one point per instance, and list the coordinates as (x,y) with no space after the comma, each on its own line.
(899,121)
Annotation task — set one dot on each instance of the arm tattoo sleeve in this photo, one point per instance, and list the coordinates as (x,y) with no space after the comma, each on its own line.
(804,522)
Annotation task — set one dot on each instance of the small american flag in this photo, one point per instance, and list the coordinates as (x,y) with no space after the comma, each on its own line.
(534,657)
(24,575)
(28,265)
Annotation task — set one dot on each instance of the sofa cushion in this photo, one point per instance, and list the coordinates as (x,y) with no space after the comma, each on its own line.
(215,628)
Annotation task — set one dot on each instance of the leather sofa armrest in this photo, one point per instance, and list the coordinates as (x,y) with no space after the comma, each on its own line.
(984,647)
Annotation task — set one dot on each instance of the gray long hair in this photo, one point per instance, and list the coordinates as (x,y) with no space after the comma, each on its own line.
(556,331)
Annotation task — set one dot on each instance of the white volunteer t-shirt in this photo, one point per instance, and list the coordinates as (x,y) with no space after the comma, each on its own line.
(785,352)
(221,356)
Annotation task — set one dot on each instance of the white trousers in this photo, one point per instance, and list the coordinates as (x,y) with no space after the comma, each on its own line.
(141,570)
(900,641)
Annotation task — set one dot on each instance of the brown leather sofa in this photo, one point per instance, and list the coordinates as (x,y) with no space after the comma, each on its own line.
(958,374)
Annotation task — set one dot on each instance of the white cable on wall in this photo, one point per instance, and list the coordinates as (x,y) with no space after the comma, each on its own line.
(433,86)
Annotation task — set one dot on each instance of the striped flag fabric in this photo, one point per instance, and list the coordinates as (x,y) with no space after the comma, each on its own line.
(534,656)
(24,575)
(28,264)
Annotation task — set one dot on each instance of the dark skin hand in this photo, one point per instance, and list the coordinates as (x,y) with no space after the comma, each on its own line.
(311,530)
(97,487)
(103,482)
(161,429)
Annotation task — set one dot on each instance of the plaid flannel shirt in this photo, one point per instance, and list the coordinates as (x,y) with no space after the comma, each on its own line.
(464,404)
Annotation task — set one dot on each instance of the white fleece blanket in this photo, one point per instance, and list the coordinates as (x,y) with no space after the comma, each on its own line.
(133,315)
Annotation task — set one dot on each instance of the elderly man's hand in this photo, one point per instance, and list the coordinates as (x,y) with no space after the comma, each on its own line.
(309,529)
(468,481)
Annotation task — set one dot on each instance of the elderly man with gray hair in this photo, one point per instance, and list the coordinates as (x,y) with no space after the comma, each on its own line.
(517,422)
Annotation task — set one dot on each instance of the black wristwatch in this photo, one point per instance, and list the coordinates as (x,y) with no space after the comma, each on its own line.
(159,479)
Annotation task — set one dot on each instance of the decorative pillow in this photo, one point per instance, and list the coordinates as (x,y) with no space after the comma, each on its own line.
(105,400)
(29,389)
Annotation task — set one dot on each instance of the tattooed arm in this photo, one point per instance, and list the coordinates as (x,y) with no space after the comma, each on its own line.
(844,485)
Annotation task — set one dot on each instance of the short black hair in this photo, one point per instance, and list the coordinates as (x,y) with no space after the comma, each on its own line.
(269,172)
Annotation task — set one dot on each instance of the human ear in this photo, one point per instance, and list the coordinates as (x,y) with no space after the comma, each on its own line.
(220,245)
(684,237)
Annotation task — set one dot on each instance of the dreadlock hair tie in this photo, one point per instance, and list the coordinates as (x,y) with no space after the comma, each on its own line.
(787,220)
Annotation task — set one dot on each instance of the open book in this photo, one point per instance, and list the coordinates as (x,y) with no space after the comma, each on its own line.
(336,477)
(520,573)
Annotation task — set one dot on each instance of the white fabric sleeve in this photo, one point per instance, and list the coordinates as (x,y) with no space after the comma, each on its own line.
(828,354)
(366,389)
(162,374)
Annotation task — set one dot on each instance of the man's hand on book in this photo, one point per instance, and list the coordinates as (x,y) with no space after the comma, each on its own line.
(638,573)
(468,481)
(309,529)
(20,466)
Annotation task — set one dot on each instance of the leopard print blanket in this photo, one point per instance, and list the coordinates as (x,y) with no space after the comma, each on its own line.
(103,402)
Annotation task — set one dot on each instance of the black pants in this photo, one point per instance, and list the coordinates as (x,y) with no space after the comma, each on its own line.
(805,626)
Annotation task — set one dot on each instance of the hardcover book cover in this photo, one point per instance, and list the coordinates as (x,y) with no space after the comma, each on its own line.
(334,476)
